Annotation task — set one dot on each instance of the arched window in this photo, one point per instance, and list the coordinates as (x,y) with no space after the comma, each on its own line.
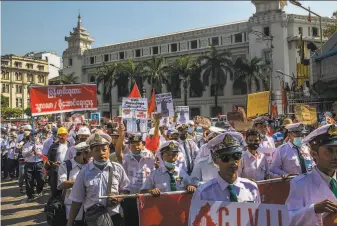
(239,87)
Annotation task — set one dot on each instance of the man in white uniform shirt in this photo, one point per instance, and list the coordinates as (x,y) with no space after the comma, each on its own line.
(313,196)
(67,177)
(293,157)
(227,186)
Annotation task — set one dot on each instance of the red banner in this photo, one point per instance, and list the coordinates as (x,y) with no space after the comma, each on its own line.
(168,210)
(63,98)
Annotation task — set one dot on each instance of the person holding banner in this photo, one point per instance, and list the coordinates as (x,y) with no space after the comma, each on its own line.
(33,170)
(293,157)
(101,177)
(227,185)
(312,198)
(168,177)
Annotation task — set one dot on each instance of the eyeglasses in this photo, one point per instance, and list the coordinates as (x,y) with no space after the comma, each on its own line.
(227,158)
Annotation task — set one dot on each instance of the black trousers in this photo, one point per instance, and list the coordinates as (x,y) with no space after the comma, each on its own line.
(4,165)
(54,177)
(33,172)
(117,220)
(130,211)
(11,165)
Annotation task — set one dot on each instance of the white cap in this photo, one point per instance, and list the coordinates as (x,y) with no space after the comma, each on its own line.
(84,131)
(81,146)
(190,122)
(27,127)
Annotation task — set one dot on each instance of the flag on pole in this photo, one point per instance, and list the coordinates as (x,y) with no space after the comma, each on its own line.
(283,3)
(152,104)
(309,17)
(135,92)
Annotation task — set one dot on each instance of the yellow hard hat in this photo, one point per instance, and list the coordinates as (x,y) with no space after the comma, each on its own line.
(62,130)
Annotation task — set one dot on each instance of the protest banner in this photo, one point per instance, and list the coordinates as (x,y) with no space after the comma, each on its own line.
(306,114)
(257,104)
(164,104)
(134,113)
(183,114)
(63,98)
(95,119)
(212,213)
(154,211)
(77,118)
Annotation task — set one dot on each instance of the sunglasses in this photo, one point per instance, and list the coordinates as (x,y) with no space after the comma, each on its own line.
(227,158)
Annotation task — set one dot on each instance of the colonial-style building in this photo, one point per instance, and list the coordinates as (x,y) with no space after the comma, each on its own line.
(17,73)
(269,33)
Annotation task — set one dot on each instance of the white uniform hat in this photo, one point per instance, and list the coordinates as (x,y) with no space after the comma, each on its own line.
(84,131)
(98,139)
(170,145)
(81,146)
(190,122)
(27,127)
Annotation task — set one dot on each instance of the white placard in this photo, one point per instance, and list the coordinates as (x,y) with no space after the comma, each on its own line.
(164,104)
(226,213)
(165,121)
(183,113)
(134,114)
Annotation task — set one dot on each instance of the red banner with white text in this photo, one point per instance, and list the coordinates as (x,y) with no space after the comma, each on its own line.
(63,98)
(169,210)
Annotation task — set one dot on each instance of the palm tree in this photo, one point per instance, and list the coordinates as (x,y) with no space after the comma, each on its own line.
(109,75)
(133,73)
(251,72)
(217,65)
(64,79)
(182,70)
(154,71)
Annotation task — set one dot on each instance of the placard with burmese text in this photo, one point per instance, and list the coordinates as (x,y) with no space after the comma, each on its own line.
(63,98)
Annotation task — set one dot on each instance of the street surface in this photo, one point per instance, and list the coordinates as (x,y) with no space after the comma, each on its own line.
(16,211)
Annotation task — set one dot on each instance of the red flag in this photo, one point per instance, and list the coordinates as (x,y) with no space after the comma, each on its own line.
(151,104)
(43,157)
(274,110)
(135,92)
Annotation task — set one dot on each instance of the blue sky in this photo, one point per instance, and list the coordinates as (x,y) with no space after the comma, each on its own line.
(42,26)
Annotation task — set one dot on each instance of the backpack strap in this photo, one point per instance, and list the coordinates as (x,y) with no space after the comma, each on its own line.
(69,167)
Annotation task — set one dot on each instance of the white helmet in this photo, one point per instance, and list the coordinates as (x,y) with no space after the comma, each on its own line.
(27,127)
(84,131)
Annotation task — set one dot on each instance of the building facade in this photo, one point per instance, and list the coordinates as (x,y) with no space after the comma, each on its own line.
(54,62)
(17,73)
(270,34)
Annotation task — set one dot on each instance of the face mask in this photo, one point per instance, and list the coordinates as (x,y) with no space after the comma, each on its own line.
(200,130)
(253,146)
(100,163)
(190,130)
(262,135)
(298,141)
(170,164)
(137,153)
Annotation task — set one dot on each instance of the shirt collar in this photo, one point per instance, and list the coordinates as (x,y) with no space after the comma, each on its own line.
(325,177)
(164,169)
(224,184)
(250,155)
(92,165)
(75,164)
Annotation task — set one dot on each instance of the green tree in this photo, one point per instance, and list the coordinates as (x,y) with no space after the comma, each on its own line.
(64,79)
(28,111)
(132,71)
(154,71)
(331,28)
(4,101)
(109,75)
(216,65)
(251,71)
(8,113)
(183,70)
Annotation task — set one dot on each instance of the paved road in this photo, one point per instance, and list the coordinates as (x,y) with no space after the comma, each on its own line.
(14,209)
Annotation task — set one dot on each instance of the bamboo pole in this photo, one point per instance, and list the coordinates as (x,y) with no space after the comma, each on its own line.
(274,180)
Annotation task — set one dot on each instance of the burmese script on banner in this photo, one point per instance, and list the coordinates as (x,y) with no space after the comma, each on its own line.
(213,213)
(63,98)
(257,104)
